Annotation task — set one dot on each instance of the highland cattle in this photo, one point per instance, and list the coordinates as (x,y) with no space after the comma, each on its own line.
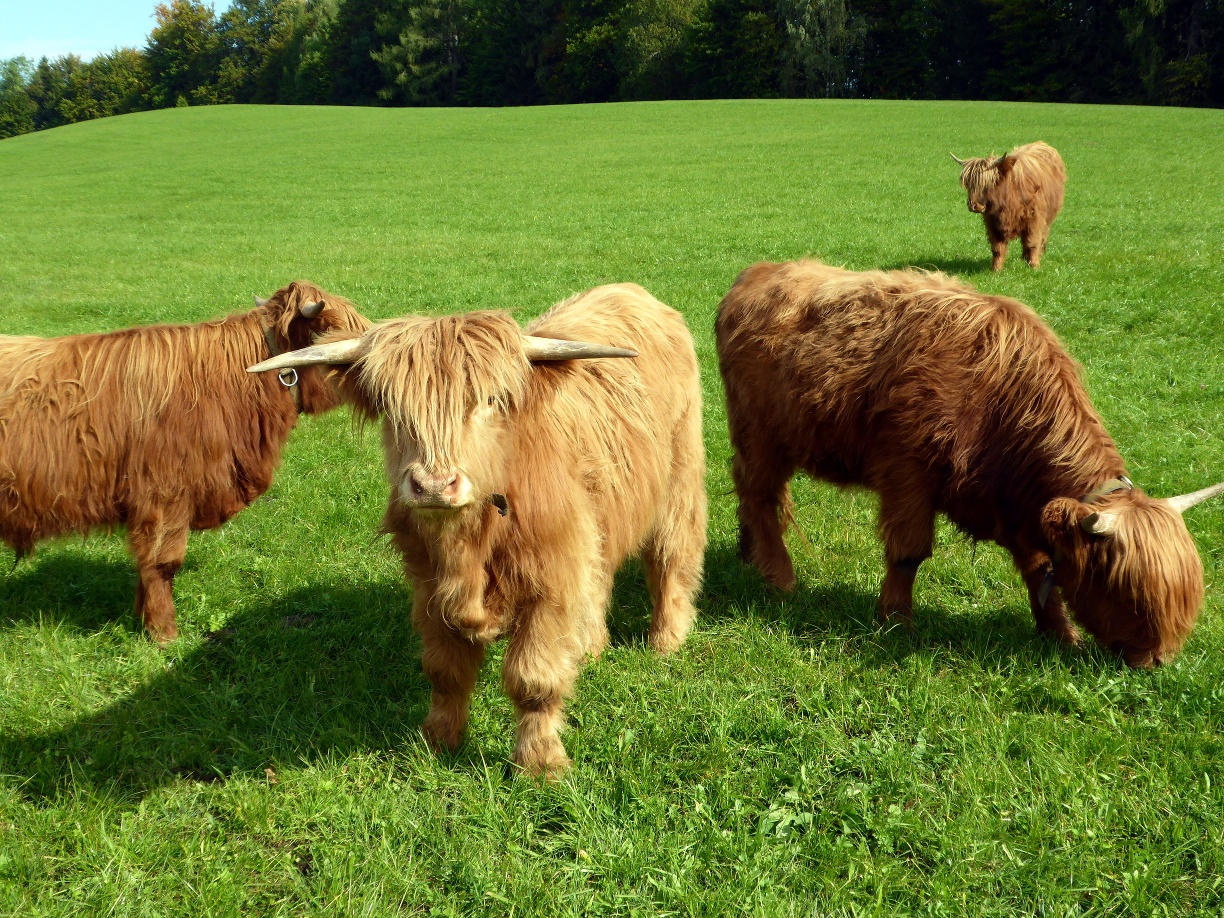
(1018,196)
(158,429)
(941,399)
(525,467)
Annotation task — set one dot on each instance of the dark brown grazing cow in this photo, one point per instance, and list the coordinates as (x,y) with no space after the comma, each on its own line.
(1018,196)
(523,474)
(943,399)
(159,429)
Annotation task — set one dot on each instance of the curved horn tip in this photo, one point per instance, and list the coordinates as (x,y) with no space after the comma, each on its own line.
(1101,524)
(312,310)
(1183,502)
(259,302)
(959,161)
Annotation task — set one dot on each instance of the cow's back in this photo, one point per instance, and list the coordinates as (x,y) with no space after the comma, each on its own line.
(853,376)
(97,429)
(623,418)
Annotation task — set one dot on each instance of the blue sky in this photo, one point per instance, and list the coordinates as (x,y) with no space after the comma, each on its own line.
(84,27)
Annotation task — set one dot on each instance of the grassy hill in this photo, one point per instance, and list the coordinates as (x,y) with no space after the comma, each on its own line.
(792,759)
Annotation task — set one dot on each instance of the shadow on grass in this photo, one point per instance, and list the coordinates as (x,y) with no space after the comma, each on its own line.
(321,670)
(328,669)
(997,637)
(956,266)
(83,592)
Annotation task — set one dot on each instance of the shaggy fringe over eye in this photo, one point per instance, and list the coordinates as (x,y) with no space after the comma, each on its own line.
(427,375)
(1152,561)
(979,175)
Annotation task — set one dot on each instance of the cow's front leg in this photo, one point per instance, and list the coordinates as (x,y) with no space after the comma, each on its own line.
(1034,245)
(1051,615)
(538,675)
(907,526)
(998,246)
(451,662)
(159,543)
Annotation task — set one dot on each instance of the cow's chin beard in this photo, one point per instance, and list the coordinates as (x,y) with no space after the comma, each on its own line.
(441,515)
(440,511)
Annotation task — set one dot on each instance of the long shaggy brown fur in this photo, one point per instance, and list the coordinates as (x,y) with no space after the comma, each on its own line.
(159,429)
(942,399)
(1018,196)
(597,460)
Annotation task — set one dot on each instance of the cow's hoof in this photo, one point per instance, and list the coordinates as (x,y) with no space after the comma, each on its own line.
(544,757)
(781,580)
(441,731)
(900,615)
(550,769)
(1068,636)
(164,635)
(665,641)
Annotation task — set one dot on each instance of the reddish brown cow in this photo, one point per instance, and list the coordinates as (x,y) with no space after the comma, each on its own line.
(1018,196)
(522,478)
(159,429)
(942,399)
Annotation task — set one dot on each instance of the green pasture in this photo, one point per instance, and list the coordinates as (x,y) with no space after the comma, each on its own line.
(792,758)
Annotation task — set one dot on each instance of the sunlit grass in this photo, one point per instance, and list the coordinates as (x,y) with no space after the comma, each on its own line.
(791,759)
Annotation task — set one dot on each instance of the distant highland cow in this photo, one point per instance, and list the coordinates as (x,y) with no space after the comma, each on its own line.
(159,429)
(943,399)
(1018,196)
(523,473)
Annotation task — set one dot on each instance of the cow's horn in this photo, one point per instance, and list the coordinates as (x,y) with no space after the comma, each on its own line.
(312,310)
(1101,524)
(556,349)
(338,353)
(1183,502)
(260,303)
(959,161)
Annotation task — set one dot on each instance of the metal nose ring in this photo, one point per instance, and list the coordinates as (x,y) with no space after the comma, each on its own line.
(288,377)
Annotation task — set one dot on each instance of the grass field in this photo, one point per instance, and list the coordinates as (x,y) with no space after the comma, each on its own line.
(791,759)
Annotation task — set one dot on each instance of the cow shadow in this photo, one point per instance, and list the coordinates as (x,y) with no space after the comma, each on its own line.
(286,681)
(82,591)
(283,681)
(997,637)
(954,266)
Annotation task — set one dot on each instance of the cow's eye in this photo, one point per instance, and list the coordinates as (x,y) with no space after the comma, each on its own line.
(490,400)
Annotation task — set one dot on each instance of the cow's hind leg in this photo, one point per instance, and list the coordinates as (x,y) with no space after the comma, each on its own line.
(765,511)
(159,544)
(539,672)
(676,549)
(1034,243)
(907,526)
(451,663)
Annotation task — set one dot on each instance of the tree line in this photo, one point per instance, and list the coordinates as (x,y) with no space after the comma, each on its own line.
(528,52)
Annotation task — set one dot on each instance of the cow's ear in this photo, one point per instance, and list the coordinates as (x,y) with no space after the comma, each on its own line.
(1061,519)
(1004,165)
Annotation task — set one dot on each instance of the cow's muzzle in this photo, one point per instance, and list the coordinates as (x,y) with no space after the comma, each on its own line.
(449,490)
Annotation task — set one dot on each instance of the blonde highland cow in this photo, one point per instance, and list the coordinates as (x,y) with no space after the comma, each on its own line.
(1018,196)
(523,473)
